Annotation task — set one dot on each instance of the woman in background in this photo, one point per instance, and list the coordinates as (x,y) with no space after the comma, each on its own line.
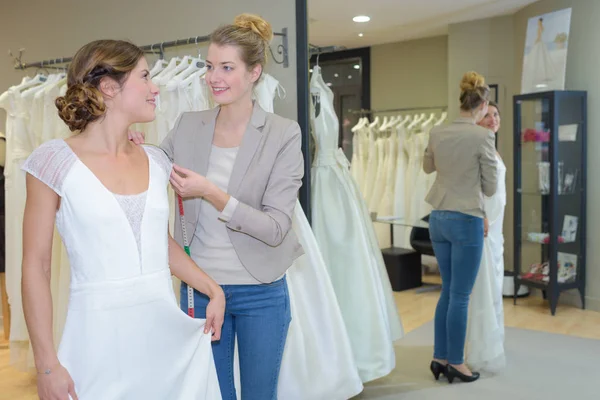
(464,156)
(485,336)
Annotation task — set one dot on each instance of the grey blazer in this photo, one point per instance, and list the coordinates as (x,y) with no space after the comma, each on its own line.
(464,156)
(266,177)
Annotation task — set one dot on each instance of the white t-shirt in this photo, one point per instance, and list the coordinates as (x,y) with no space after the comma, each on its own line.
(211,248)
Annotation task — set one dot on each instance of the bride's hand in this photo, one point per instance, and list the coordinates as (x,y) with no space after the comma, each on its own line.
(486,227)
(57,385)
(215,315)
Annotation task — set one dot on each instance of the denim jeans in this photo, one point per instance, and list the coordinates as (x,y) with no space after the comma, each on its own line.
(259,315)
(457,241)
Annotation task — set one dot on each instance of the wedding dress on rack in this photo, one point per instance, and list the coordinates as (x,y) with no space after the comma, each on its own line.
(485,334)
(321,366)
(344,231)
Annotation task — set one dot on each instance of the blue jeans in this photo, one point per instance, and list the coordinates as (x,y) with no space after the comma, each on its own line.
(457,240)
(259,315)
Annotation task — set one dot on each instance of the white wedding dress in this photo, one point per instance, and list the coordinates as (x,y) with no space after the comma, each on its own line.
(314,366)
(125,336)
(485,334)
(345,234)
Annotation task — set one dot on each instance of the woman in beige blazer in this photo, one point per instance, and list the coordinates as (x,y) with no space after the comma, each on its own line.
(238,169)
(464,156)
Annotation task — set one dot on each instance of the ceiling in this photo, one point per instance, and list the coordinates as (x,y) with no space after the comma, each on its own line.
(330,21)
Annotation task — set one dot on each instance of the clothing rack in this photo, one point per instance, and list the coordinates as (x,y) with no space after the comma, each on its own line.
(282,50)
(392,110)
(316,50)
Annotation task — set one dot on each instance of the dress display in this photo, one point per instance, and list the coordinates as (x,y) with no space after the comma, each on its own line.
(125,337)
(31,120)
(485,334)
(393,181)
(315,367)
(345,234)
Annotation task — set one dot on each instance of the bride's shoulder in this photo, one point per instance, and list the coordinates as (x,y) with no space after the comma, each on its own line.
(158,155)
(50,163)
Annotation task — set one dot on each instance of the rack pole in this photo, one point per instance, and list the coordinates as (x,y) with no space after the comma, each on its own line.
(283,50)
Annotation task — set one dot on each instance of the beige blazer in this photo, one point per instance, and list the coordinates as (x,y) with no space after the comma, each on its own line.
(464,156)
(266,177)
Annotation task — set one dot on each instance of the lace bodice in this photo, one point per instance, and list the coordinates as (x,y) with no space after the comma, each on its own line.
(52,162)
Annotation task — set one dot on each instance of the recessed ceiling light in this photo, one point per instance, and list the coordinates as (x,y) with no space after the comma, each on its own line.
(361,34)
(356,66)
(361,18)
(349,76)
(328,83)
(336,75)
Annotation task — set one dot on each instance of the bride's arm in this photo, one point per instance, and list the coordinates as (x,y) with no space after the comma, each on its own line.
(184,268)
(38,230)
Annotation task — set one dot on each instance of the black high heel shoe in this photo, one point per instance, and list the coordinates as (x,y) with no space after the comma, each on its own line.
(452,373)
(437,369)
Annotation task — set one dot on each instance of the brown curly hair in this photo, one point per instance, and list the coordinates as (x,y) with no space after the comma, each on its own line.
(84,103)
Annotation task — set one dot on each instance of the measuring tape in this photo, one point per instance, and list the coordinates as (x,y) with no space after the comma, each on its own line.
(186,247)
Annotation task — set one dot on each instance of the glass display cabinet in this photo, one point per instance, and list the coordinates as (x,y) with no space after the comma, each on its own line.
(550,192)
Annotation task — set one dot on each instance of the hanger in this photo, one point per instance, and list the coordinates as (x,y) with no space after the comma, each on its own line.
(159,65)
(375,122)
(442,119)
(428,121)
(417,119)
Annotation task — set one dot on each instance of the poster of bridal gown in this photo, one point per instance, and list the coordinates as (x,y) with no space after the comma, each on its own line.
(545,57)
(344,231)
(485,333)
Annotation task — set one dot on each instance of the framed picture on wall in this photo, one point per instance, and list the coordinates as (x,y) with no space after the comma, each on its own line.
(494,92)
(494,97)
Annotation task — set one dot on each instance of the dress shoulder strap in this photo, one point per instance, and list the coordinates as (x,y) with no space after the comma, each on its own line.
(51,163)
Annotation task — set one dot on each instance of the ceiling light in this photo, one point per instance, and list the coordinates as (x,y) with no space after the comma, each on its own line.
(356,66)
(336,75)
(328,83)
(361,34)
(361,18)
(349,76)
(310,70)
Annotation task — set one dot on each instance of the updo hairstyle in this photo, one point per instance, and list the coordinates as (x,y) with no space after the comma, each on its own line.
(84,103)
(251,34)
(473,91)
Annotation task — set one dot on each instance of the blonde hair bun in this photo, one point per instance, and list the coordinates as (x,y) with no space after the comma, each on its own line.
(471,81)
(256,24)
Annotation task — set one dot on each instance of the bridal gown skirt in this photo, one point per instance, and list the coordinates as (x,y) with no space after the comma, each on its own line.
(317,363)
(127,339)
(345,234)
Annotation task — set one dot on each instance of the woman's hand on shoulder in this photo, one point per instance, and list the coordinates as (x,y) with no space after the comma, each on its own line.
(188,183)
(136,137)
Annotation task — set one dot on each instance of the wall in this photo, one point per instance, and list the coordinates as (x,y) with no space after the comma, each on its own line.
(58,28)
(582,74)
(410,74)
(488,47)
(494,47)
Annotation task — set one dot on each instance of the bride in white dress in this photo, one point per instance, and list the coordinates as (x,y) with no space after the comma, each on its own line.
(485,334)
(125,336)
